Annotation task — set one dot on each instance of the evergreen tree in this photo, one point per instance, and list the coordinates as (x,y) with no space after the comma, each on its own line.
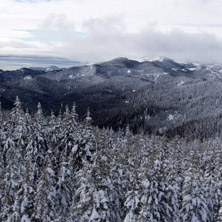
(91,200)
(45,200)
(26,195)
(74,115)
(151,203)
(64,188)
(194,202)
(13,176)
(219,214)
(1,113)
(37,141)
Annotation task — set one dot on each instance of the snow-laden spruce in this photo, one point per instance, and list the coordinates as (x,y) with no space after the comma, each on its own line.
(62,169)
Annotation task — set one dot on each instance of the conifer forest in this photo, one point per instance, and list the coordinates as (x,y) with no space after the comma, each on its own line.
(110,110)
(62,169)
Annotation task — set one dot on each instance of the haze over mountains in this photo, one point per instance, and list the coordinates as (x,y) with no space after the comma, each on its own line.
(13,62)
(161,96)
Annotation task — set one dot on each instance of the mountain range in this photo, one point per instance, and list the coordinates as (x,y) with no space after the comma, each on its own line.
(155,96)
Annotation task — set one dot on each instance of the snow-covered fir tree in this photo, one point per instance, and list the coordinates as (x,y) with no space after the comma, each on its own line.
(61,168)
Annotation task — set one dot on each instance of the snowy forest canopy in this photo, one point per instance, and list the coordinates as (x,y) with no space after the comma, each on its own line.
(58,168)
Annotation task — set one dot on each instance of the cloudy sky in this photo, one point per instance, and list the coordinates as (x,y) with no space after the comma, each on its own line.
(97,30)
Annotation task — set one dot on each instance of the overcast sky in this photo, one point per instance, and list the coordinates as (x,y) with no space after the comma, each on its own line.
(98,30)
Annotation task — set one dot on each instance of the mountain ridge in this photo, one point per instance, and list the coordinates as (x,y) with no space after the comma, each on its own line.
(155,96)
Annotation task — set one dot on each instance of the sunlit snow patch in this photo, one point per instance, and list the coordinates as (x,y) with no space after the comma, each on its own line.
(170,117)
(181,83)
(71,76)
(27,77)
(193,69)
(147,117)
(148,59)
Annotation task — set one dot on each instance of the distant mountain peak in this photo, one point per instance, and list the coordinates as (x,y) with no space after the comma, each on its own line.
(114,61)
(52,68)
(120,61)
(153,59)
(45,69)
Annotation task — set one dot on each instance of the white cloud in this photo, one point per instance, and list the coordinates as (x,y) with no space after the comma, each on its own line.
(94,30)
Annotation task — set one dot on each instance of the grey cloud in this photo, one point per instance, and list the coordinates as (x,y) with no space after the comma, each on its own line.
(182,46)
(107,39)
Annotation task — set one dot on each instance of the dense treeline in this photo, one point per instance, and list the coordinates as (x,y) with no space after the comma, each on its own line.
(56,168)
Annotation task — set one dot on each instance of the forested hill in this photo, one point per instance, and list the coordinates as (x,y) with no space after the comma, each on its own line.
(57,168)
(155,96)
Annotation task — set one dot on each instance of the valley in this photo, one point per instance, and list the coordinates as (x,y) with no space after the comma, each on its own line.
(155,96)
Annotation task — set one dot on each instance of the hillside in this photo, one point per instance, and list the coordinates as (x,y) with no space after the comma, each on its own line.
(160,96)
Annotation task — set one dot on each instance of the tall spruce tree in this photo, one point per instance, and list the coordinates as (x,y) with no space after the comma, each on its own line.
(45,199)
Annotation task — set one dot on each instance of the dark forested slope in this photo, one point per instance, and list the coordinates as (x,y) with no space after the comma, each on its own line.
(161,96)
